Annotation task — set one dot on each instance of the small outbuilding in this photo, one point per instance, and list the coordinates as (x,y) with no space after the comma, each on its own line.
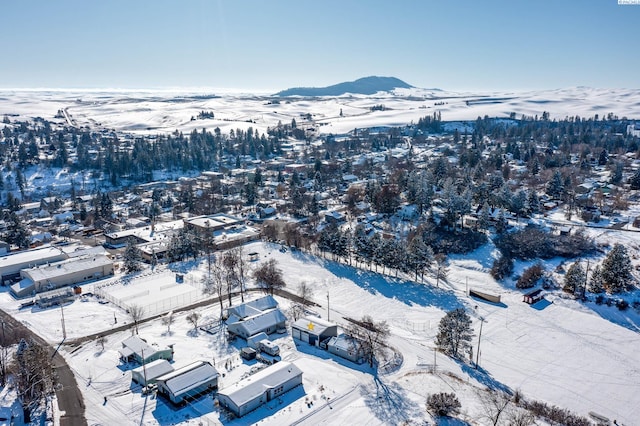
(147,374)
(265,385)
(493,298)
(313,330)
(188,382)
(533,297)
(346,347)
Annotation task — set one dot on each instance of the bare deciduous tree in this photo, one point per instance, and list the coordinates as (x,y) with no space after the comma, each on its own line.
(193,318)
(214,281)
(241,268)
(305,291)
(494,404)
(168,320)
(136,312)
(370,335)
(100,341)
(34,376)
(269,276)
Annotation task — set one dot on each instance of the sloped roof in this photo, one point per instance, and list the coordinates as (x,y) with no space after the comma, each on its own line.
(189,377)
(312,325)
(253,386)
(154,369)
(262,321)
(136,345)
(253,307)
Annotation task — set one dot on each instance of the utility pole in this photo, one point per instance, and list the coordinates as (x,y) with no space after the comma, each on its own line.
(64,330)
(328,306)
(144,368)
(479,337)
(434,360)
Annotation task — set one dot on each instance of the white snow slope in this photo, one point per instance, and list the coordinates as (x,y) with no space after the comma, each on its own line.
(560,352)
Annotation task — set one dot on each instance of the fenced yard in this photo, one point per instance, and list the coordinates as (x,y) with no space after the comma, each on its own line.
(155,292)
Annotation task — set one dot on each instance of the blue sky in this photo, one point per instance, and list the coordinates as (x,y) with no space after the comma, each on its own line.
(454,45)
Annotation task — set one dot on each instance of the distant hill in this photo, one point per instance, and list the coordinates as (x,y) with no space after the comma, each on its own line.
(362,86)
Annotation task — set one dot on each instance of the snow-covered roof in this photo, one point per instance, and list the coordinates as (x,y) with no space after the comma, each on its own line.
(66,267)
(344,342)
(260,322)
(14,262)
(313,325)
(253,386)
(188,377)
(154,369)
(135,345)
(253,307)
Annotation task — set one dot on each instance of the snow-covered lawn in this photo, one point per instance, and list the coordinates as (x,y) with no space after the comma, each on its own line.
(559,351)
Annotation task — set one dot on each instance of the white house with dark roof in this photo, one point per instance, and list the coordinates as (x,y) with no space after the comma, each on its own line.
(260,388)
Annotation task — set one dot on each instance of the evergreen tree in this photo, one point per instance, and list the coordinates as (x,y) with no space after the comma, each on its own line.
(533,202)
(595,284)
(616,270)
(17,233)
(555,187)
(454,333)
(574,279)
(483,217)
(419,256)
(132,257)
(635,180)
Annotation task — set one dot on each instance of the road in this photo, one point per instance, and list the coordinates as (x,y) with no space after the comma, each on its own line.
(70,402)
(214,300)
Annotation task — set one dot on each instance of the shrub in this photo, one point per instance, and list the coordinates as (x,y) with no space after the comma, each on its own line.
(599,299)
(530,276)
(533,242)
(622,304)
(502,267)
(442,240)
(443,404)
(556,414)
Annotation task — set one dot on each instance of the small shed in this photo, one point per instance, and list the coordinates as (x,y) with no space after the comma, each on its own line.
(148,373)
(188,382)
(346,347)
(253,256)
(254,341)
(58,296)
(533,296)
(313,330)
(484,296)
(253,391)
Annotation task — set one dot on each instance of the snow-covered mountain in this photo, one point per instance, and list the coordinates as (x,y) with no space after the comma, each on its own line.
(362,86)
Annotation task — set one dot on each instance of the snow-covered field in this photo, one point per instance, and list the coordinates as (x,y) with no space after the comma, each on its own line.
(576,356)
(153,112)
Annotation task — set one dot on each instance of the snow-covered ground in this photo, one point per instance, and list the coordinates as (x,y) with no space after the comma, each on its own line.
(153,112)
(581,357)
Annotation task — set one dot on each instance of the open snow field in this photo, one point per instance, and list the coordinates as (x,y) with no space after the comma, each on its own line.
(557,351)
(154,112)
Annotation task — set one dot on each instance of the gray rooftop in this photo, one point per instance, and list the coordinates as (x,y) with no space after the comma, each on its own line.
(253,386)
(189,377)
